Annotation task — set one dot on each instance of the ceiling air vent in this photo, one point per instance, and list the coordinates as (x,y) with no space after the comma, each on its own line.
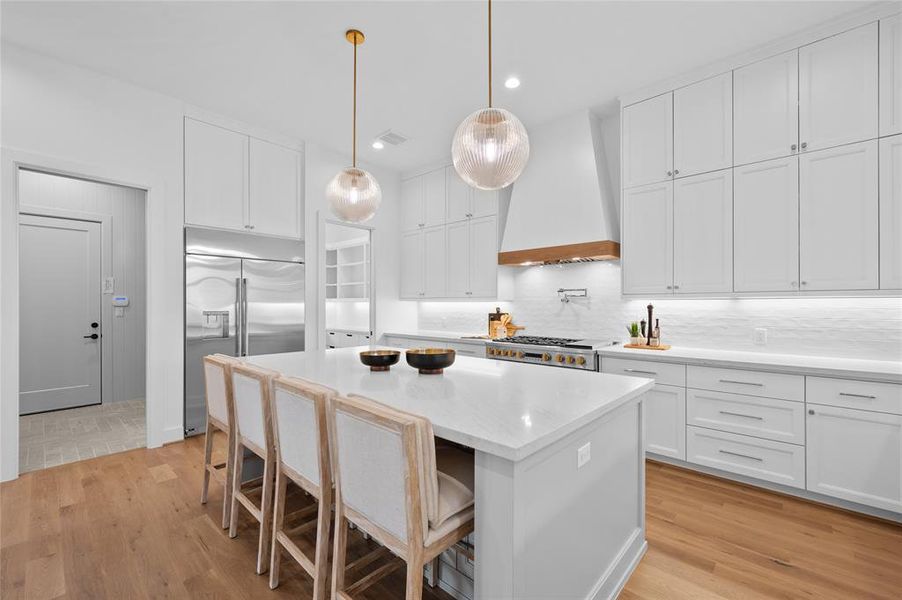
(392,137)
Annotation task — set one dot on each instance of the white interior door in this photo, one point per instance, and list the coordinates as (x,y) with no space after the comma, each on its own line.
(59,313)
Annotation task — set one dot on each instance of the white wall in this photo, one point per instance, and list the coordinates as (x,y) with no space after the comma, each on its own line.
(124,207)
(845,327)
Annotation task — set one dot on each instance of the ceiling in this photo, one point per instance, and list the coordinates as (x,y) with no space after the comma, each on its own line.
(286,66)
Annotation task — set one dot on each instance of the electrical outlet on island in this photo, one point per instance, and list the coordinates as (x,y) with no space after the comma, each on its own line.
(583,455)
(760,336)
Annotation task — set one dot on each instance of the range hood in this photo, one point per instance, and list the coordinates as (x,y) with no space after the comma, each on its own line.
(562,207)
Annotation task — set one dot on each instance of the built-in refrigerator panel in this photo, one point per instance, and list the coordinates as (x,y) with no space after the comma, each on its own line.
(275,307)
(211,325)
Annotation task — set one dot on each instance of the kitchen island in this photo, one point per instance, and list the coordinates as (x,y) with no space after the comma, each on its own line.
(559,463)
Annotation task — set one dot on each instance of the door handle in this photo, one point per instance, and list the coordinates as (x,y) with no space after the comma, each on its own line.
(93,336)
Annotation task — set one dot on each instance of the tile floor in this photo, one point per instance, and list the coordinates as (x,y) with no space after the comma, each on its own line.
(55,438)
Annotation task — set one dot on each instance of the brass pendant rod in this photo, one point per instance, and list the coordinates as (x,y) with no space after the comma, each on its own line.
(354,121)
(490,53)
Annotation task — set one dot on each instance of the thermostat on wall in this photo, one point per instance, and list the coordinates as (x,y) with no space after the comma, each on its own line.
(120,300)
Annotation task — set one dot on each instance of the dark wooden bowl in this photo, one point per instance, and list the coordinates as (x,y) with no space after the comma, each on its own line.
(430,361)
(380,360)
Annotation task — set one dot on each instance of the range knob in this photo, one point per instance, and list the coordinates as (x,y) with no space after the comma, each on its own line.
(546,357)
(507,353)
(490,351)
(581,360)
(569,360)
(520,354)
(559,357)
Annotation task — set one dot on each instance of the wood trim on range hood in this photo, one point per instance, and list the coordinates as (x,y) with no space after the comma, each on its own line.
(584,252)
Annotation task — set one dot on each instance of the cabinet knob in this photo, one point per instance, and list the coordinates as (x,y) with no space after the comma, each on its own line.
(669,287)
(793,147)
(804,283)
(676,171)
(804,145)
(676,287)
(810,411)
(670,173)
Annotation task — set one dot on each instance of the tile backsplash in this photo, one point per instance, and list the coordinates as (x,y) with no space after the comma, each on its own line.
(854,327)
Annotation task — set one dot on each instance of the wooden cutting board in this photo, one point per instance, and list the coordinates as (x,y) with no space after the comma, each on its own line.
(645,347)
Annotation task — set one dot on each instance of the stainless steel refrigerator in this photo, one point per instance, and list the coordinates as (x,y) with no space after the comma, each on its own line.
(244,296)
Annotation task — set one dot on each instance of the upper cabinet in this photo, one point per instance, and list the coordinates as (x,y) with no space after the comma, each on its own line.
(647,235)
(838,218)
(465,202)
(891,75)
(703,126)
(412,213)
(766,109)
(838,89)
(647,149)
(891,213)
(434,196)
(216,173)
(234,181)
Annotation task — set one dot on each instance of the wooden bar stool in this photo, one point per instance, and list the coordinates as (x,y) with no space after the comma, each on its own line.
(252,391)
(220,416)
(302,455)
(388,484)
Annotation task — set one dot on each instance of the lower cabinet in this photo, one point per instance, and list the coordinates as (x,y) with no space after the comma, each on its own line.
(855,455)
(665,421)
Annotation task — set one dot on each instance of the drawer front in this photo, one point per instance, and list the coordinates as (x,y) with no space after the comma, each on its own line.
(474,350)
(861,395)
(754,383)
(666,373)
(779,420)
(777,462)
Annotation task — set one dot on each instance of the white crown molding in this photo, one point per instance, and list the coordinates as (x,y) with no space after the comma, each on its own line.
(201,114)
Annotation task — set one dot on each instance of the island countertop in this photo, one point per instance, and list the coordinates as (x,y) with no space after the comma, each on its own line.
(502,408)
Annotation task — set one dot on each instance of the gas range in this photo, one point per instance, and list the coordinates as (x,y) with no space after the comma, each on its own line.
(552,351)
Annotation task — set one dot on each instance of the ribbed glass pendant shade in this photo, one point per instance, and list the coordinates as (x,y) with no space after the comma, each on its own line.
(490,149)
(354,195)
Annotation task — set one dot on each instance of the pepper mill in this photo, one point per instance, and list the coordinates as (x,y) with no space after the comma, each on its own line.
(650,321)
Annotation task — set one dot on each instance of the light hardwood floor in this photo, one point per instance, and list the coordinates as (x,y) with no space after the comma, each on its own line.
(129,525)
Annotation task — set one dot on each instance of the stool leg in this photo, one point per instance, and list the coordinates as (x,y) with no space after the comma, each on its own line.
(263,546)
(338,555)
(414,577)
(321,559)
(236,489)
(208,453)
(278,518)
(228,488)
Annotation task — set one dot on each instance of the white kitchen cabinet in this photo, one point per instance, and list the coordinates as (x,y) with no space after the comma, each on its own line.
(766,109)
(891,213)
(434,261)
(484,203)
(216,174)
(838,85)
(891,75)
(465,202)
(838,218)
(274,205)
(483,259)
(855,455)
(703,126)
(412,216)
(458,263)
(647,234)
(778,462)
(703,233)
(665,421)
(412,265)
(766,226)
(434,195)
(647,141)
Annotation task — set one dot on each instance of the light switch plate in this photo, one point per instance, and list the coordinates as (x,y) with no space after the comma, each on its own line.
(583,455)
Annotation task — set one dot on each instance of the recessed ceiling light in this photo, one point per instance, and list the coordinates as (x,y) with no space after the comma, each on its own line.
(512,83)
(378,145)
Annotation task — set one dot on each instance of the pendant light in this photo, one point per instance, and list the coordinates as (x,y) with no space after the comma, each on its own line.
(490,147)
(354,195)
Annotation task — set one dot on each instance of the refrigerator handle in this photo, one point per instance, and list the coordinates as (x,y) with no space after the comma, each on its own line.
(239,316)
(244,332)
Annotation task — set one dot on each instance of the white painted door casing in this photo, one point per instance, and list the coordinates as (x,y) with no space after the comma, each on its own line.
(838,85)
(703,126)
(647,141)
(703,233)
(665,421)
(216,176)
(891,75)
(647,233)
(274,200)
(766,226)
(838,218)
(766,109)
(855,455)
(891,213)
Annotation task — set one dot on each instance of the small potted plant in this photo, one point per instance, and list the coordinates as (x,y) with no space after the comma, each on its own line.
(633,330)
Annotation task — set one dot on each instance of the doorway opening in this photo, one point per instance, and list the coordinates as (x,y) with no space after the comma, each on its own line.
(82,319)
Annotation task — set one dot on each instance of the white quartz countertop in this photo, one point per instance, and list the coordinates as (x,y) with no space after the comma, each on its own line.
(442,336)
(825,366)
(502,408)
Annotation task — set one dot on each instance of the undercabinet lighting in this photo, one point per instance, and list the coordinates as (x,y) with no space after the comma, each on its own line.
(575,258)
(527,263)
(378,145)
(512,83)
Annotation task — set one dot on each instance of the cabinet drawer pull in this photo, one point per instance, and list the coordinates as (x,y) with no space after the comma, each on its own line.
(640,371)
(756,384)
(850,395)
(735,414)
(741,455)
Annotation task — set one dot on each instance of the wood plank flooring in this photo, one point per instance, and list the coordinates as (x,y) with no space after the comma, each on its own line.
(130,525)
